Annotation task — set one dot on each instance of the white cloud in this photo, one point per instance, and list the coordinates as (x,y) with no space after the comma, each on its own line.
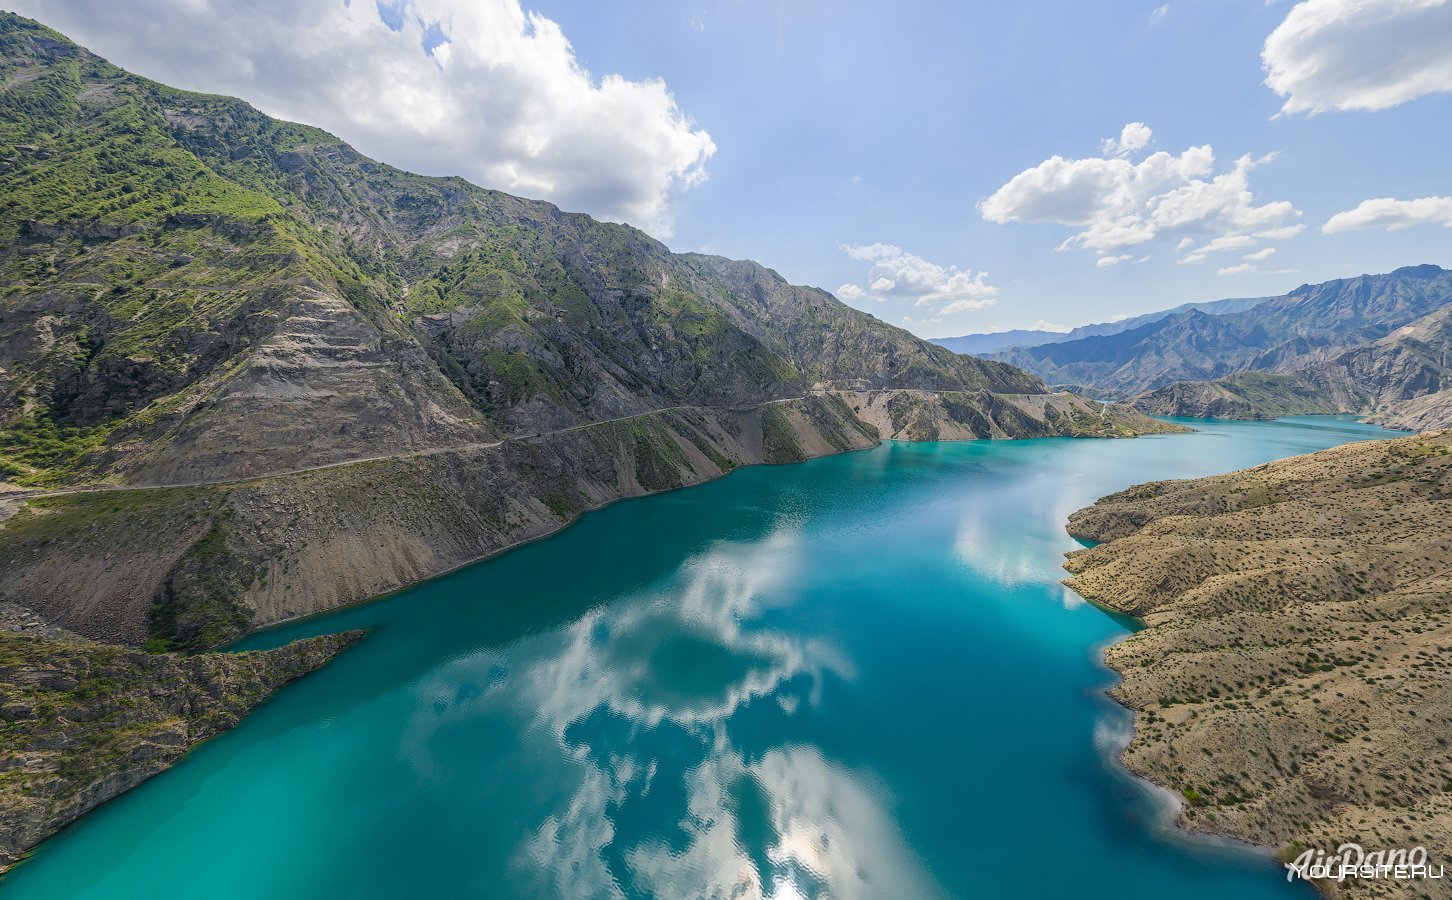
(1133,137)
(1107,261)
(898,275)
(958,306)
(1260,255)
(1237,269)
(1118,204)
(1160,12)
(501,98)
(1042,325)
(1359,54)
(1393,215)
(1281,234)
(1219,245)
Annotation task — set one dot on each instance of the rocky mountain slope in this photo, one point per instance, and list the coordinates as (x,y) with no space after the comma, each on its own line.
(312,378)
(1404,379)
(76,731)
(1311,325)
(996,341)
(1427,413)
(1295,682)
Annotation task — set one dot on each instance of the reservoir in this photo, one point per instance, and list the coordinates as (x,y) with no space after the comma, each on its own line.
(854,677)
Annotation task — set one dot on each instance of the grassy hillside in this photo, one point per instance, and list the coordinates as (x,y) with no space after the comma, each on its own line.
(170,260)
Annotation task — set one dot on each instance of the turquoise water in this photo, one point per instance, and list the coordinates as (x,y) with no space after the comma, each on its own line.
(858,676)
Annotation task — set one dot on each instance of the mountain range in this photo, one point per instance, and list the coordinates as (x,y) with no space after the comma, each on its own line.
(1403,380)
(995,341)
(1377,345)
(247,373)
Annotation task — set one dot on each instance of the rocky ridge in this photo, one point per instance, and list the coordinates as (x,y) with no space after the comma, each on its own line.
(1309,326)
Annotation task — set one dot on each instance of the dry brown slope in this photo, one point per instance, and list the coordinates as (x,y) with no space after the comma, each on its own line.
(1295,680)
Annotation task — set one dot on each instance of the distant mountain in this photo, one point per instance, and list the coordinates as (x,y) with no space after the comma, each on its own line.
(1312,324)
(1404,380)
(992,342)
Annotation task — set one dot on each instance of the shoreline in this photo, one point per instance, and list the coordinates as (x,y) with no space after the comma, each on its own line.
(284,548)
(1167,802)
(1296,615)
(525,542)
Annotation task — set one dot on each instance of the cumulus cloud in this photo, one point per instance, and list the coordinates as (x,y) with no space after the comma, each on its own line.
(1237,269)
(1118,203)
(1107,261)
(896,274)
(1393,215)
(479,88)
(1359,54)
(1260,255)
(1133,137)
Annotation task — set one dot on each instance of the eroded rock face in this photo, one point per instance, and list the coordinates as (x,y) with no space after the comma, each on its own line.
(1295,682)
(85,722)
(201,565)
(1429,413)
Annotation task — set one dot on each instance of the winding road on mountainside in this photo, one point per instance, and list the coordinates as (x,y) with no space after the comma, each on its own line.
(11,501)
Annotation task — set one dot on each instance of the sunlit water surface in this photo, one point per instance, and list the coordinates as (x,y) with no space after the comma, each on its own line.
(858,676)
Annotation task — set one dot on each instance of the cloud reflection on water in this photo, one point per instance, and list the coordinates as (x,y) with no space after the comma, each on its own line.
(677,706)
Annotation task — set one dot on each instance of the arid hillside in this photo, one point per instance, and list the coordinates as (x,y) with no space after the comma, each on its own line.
(1294,684)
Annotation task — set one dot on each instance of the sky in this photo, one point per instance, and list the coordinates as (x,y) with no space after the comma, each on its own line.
(951,167)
